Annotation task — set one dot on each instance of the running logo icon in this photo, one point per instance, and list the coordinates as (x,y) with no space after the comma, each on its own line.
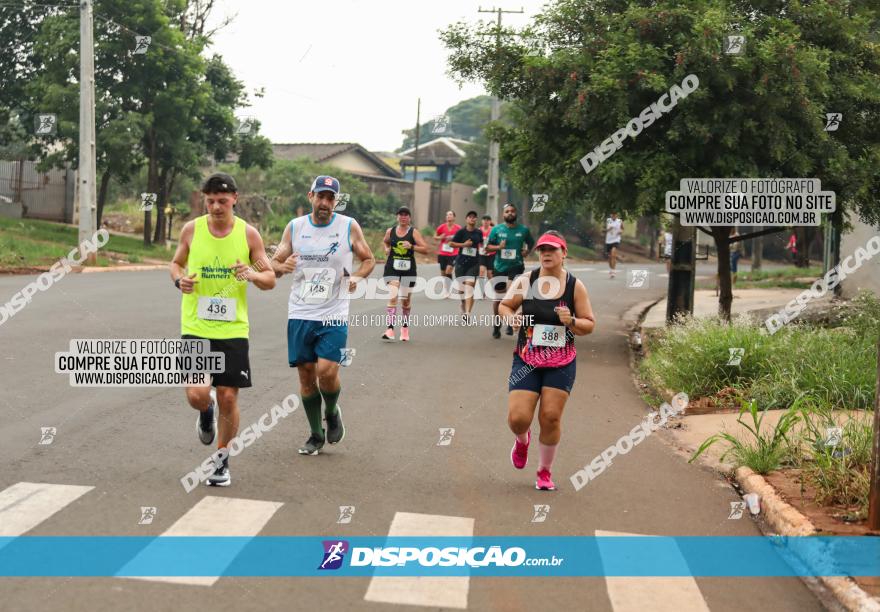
(832,121)
(346,356)
(148,513)
(736,355)
(245,126)
(637,279)
(334,554)
(46,125)
(342,202)
(441,124)
(142,44)
(346,513)
(148,200)
(446,434)
(736,510)
(734,44)
(47,435)
(833,436)
(541,513)
(539,202)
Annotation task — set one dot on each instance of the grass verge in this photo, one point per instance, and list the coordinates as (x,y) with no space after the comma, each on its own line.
(31,243)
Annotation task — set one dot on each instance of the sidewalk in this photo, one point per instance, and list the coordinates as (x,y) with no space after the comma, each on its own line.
(745,301)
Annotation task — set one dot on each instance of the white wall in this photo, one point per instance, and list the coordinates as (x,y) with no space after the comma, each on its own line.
(868,276)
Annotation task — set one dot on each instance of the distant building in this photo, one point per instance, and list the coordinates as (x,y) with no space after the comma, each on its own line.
(381,177)
(348,156)
(437,159)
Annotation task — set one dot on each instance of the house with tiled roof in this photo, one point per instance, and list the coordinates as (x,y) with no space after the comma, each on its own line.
(436,160)
(348,156)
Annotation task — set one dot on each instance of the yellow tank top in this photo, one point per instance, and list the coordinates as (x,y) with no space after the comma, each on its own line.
(212,260)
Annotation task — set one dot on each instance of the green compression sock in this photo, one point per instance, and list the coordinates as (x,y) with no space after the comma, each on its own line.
(312,406)
(330,399)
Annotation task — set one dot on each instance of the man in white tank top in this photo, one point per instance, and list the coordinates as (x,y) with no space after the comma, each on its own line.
(318,250)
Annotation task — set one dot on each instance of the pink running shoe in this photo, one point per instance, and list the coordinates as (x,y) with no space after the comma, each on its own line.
(544,483)
(519,454)
(389,334)
(404,334)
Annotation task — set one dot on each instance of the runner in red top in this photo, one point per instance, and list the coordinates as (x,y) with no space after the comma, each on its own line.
(486,258)
(445,253)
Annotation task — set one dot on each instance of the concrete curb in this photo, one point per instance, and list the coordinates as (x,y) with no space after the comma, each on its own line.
(632,318)
(787,521)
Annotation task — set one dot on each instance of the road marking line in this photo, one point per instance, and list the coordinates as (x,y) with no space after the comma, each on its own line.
(214,516)
(666,593)
(434,591)
(25,505)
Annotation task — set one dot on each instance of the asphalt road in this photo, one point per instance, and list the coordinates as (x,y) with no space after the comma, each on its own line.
(133,445)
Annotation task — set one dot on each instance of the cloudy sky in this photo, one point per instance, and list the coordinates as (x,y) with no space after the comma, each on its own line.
(347,70)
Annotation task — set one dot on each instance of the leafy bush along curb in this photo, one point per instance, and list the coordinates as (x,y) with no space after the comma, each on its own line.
(765,452)
(835,459)
(833,367)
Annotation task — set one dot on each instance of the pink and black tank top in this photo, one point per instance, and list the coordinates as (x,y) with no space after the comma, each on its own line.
(534,350)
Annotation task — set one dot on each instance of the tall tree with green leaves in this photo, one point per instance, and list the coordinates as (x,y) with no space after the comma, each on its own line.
(582,70)
(164,105)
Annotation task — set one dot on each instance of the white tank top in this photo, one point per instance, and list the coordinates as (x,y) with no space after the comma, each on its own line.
(320,281)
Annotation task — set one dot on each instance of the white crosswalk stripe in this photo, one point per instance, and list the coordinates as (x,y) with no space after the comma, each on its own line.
(25,505)
(433,591)
(215,516)
(665,594)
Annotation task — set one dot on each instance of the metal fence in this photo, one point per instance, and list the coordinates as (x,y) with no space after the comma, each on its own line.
(26,192)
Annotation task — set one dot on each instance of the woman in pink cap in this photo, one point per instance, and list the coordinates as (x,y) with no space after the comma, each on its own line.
(555,309)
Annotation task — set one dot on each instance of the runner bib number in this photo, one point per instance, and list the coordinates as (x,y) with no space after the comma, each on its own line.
(315,291)
(469,251)
(508,253)
(402,265)
(446,248)
(548,335)
(482,250)
(216,309)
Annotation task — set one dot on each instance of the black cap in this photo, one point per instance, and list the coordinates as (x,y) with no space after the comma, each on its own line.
(219,182)
(404,210)
(472,213)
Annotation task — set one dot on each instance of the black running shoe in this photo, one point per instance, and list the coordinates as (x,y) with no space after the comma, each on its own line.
(221,476)
(496,332)
(509,331)
(206,426)
(335,428)
(313,445)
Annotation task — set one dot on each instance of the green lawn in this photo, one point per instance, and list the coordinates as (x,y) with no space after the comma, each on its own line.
(33,243)
(782,278)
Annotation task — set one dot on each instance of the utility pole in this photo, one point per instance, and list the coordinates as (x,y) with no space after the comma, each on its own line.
(416,156)
(87,169)
(492,208)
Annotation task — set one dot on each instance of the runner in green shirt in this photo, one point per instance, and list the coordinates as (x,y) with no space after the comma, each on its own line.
(510,242)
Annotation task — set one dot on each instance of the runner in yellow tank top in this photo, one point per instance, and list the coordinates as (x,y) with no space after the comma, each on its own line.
(216,256)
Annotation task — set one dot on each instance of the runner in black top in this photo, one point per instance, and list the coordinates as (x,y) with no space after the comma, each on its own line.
(557,308)
(401,244)
(468,240)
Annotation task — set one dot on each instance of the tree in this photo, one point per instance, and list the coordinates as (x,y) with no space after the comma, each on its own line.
(168,108)
(582,70)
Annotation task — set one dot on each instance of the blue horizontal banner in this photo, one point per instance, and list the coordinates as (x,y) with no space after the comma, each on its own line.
(439,556)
